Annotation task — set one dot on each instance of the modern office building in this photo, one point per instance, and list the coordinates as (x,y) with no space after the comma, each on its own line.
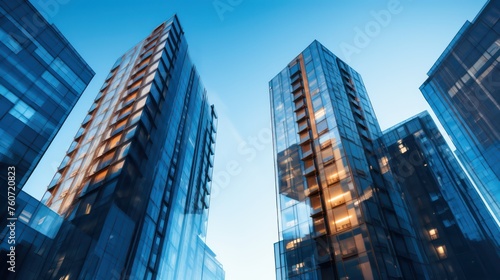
(458,233)
(134,188)
(463,89)
(340,216)
(41,79)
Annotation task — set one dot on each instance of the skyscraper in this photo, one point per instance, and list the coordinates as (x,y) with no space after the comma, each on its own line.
(41,79)
(340,216)
(134,188)
(459,236)
(463,89)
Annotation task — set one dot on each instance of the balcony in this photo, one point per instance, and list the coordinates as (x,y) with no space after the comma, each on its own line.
(311,190)
(305,139)
(298,95)
(307,154)
(309,171)
(297,86)
(303,127)
(301,115)
(299,104)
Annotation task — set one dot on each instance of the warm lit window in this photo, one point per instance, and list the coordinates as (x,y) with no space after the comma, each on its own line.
(136,84)
(327,154)
(117,167)
(342,218)
(315,203)
(130,97)
(88,208)
(142,72)
(125,112)
(332,175)
(433,233)
(114,141)
(106,160)
(319,225)
(441,251)
(120,125)
(402,148)
(100,176)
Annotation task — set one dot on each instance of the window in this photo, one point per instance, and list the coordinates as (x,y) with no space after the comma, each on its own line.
(441,251)
(114,141)
(342,218)
(100,176)
(123,151)
(433,234)
(117,168)
(130,97)
(327,155)
(315,203)
(331,173)
(319,115)
(322,127)
(120,125)
(106,160)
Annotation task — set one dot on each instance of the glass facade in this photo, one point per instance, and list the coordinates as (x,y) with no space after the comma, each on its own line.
(463,89)
(134,188)
(41,79)
(340,216)
(459,236)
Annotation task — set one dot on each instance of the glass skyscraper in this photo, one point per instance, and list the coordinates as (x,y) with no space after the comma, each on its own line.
(463,89)
(41,79)
(134,188)
(459,236)
(340,215)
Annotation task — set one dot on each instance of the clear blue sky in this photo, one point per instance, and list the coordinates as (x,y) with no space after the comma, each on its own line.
(237,50)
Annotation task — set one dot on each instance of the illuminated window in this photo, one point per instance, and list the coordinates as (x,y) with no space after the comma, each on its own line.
(384,165)
(117,167)
(402,148)
(130,97)
(125,112)
(331,173)
(87,209)
(100,176)
(142,72)
(120,125)
(327,154)
(441,251)
(433,233)
(144,62)
(114,141)
(136,84)
(315,203)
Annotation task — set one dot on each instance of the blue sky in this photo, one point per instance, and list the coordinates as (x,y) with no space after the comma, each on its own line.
(238,46)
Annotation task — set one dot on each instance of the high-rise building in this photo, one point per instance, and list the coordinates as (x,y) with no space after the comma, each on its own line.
(463,89)
(340,216)
(41,79)
(459,235)
(134,188)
